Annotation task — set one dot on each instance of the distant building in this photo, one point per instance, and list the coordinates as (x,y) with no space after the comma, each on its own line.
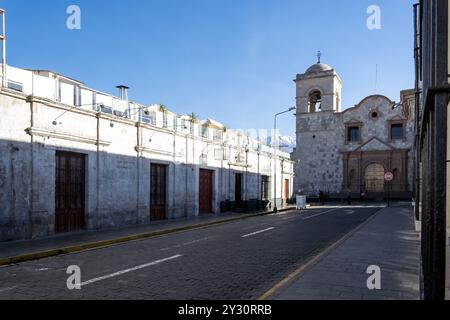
(350,151)
(76,158)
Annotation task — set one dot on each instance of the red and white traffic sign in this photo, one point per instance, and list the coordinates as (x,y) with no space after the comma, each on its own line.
(388,176)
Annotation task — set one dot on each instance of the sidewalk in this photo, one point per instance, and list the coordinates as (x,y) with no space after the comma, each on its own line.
(19,251)
(388,241)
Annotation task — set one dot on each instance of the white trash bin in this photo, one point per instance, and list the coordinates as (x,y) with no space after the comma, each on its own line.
(301,202)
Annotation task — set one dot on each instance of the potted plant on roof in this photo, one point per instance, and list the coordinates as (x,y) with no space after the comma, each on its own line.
(193,117)
(163,108)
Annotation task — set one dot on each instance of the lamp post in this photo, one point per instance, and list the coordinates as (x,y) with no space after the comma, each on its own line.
(275,209)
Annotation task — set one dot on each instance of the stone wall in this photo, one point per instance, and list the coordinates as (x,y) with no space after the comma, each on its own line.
(321,141)
(318,152)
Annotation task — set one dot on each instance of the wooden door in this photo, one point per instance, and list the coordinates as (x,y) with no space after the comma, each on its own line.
(158,192)
(287,192)
(374,178)
(206,191)
(70,192)
(238,190)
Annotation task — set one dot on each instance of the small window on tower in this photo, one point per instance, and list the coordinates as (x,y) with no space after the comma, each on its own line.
(315,101)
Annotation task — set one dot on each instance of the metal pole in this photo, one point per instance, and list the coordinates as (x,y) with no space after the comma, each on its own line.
(3,38)
(275,153)
(416,173)
(389,193)
(275,209)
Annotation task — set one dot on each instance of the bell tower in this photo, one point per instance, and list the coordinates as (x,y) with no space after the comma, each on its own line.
(318,89)
(318,100)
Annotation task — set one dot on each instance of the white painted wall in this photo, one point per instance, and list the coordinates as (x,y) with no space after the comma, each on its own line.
(119,152)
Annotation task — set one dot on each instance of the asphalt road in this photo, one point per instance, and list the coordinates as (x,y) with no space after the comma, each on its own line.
(233,261)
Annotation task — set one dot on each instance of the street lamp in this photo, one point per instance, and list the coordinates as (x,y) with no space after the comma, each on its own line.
(275,209)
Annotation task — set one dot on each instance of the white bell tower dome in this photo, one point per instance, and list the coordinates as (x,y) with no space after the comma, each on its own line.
(319,89)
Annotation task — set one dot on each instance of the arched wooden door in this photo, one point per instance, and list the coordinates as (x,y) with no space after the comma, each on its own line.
(374,178)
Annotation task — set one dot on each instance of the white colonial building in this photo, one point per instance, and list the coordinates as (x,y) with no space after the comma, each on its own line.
(76,158)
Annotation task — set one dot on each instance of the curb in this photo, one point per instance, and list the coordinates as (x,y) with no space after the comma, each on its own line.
(315,259)
(110,242)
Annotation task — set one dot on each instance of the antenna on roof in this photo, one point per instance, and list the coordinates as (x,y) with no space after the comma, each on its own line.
(3,39)
(319,55)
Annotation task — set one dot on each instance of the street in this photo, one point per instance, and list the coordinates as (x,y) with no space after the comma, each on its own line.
(237,260)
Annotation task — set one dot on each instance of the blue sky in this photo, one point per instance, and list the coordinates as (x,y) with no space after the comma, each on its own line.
(230,60)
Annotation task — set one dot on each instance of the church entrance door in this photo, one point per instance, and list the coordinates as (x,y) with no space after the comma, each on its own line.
(374,178)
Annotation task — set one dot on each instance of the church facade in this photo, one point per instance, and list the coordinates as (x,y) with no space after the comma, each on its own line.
(350,151)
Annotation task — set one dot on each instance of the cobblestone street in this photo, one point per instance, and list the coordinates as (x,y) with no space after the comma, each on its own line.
(237,260)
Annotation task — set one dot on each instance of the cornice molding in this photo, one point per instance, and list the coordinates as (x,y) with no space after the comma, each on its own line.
(65,136)
(156,151)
